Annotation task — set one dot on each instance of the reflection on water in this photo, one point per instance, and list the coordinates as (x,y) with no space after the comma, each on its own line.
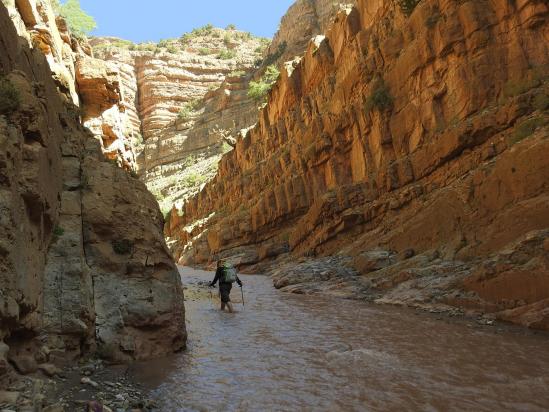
(285,353)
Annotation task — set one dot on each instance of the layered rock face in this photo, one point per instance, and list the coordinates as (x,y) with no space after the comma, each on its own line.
(83,263)
(106,112)
(204,75)
(178,154)
(304,20)
(416,145)
(97,84)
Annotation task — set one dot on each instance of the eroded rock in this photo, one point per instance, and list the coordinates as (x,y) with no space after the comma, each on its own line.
(383,137)
(24,364)
(65,214)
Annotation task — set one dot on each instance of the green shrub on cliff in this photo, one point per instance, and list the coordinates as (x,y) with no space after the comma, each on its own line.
(259,90)
(118,43)
(79,22)
(204,51)
(246,35)
(526,129)
(237,73)
(171,49)
(194,179)
(260,49)
(188,110)
(408,6)
(515,88)
(122,247)
(273,57)
(203,31)
(380,98)
(226,55)
(185,39)
(541,102)
(10,99)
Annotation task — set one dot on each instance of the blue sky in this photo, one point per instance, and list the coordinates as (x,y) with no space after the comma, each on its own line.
(146,20)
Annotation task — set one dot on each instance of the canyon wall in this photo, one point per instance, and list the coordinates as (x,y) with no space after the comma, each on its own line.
(83,262)
(416,146)
(179,154)
(304,20)
(183,96)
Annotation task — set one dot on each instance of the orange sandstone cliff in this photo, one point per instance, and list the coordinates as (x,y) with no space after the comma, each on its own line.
(404,158)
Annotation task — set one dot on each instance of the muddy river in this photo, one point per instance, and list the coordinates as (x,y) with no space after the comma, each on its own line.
(283,352)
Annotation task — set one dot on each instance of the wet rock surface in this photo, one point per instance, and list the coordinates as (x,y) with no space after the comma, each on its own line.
(331,275)
(498,287)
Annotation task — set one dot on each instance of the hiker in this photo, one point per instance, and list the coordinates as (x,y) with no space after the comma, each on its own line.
(226,275)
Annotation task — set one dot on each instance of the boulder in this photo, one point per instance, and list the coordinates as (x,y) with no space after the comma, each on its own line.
(4,364)
(24,364)
(9,397)
(49,370)
(373,260)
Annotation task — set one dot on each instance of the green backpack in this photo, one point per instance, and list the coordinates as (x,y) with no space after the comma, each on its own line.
(229,274)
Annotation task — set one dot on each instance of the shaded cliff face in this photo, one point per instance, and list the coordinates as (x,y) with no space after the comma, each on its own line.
(90,83)
(405,143)
(83,263)
(182,96)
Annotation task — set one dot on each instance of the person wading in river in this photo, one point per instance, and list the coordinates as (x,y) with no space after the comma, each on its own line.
(226,275)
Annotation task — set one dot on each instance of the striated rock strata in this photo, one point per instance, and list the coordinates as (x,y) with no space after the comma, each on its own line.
(416,145)
(304,20)
(204,75)
(83,262)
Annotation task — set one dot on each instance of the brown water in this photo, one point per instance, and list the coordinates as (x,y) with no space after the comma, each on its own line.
(285,352)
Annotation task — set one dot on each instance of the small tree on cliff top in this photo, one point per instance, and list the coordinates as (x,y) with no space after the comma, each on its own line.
(79,22)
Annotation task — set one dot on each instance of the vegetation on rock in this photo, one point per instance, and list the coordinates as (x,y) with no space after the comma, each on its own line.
(57,233)
(10,99)
(204,51)
(526,129)
(226,55)
(237,73)
(79,22)
(188,110)
(541,102)
(380,98)
(204,30)
(118,43)
(273,57)
(408,6)
(122,247)
(258,90)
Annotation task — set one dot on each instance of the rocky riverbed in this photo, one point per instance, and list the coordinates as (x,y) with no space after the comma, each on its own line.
(89,385)
(287,352)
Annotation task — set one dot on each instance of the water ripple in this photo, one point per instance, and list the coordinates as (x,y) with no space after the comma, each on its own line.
(284,352)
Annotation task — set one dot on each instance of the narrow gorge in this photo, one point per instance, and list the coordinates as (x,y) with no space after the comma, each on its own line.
(375,166)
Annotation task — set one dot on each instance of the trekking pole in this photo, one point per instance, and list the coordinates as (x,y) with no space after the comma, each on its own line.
(242,291)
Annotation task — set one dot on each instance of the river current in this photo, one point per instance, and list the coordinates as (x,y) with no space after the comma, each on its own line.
(283,352)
